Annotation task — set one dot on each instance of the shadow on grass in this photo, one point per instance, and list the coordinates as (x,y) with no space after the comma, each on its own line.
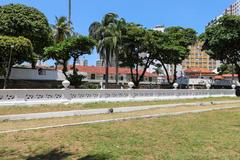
(236,125)
(54,154)
(96,157)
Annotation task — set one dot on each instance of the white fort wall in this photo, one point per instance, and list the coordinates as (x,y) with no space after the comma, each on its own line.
(56,96)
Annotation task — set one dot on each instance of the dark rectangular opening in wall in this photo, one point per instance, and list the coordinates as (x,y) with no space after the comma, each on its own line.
(93,76)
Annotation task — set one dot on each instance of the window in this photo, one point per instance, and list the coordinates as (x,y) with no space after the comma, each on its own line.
(121,78)
(92,76)
(150,79)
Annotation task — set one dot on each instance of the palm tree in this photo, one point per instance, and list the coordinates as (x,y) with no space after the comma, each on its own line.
(62,29)
(104,33)
(119,31)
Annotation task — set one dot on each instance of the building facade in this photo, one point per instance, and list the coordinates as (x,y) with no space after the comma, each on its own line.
(233,9)
(199,59)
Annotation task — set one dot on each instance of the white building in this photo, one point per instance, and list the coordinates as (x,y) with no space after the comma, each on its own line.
(233,9)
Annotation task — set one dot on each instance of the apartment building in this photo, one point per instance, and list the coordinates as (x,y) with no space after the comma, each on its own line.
(233,9)
(199,59)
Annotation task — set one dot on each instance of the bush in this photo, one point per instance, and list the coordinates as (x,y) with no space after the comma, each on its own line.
(76,80)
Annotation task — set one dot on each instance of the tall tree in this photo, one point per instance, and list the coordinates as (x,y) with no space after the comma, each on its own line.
(62,29)
(78,46)
(72,47)
(60,53)
(104,33)
(173,48)
(20,20)
(137,44)
(13,50)
(119,30)
(226,69)
(222,41)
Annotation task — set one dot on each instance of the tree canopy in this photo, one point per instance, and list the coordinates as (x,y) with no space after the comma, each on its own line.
(107,34)
(137,45)
(72,47)
(13,50)
(20,20)
(61,29)
(173,47)
(222,40)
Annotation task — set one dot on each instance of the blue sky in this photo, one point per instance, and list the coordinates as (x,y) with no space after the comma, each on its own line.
(187,13)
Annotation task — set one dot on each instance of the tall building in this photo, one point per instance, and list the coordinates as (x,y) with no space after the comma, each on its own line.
(99,63)
(112,60)
(233,9)
(199,58)
(82,62)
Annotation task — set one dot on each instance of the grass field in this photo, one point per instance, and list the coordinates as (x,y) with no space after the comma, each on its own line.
(5,110)
(203,136)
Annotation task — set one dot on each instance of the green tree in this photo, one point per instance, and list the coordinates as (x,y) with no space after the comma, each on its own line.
(105,34)
(137,45)
(20,20)
(13,50)
(222,41)
(61,29)
(60,53)
(120,31)
(173,47)
(226,69)
(78,46)
(72,47)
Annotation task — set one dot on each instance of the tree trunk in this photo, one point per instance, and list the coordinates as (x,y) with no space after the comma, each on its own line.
(174,74)
(238,71)
(5,82)
(166,71)
(136,84)
(64,70)
(8,72)
(132,75)
(74,66)
(7,75)
(33,64)
(106,71)
(117,67)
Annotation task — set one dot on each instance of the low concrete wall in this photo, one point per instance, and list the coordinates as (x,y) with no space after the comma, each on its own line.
(54,96)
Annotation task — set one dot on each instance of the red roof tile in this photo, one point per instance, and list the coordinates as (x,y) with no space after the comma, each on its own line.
(229,75)
(199,70)
(218,77)
(112,70)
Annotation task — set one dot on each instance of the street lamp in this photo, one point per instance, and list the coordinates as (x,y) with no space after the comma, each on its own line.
(69,12)
(8,68)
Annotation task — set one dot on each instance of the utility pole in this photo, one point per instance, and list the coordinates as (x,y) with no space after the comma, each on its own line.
(8,68)
(69,12)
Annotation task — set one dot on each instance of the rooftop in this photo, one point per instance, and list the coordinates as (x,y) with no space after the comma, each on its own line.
(112,70)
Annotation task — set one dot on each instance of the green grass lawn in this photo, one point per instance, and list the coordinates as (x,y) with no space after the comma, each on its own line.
(210,135)
(5,110)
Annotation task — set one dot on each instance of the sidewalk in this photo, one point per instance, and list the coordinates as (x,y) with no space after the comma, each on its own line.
(104,111)
(18,126)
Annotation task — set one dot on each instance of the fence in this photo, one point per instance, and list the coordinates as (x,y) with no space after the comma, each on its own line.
(55,96)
